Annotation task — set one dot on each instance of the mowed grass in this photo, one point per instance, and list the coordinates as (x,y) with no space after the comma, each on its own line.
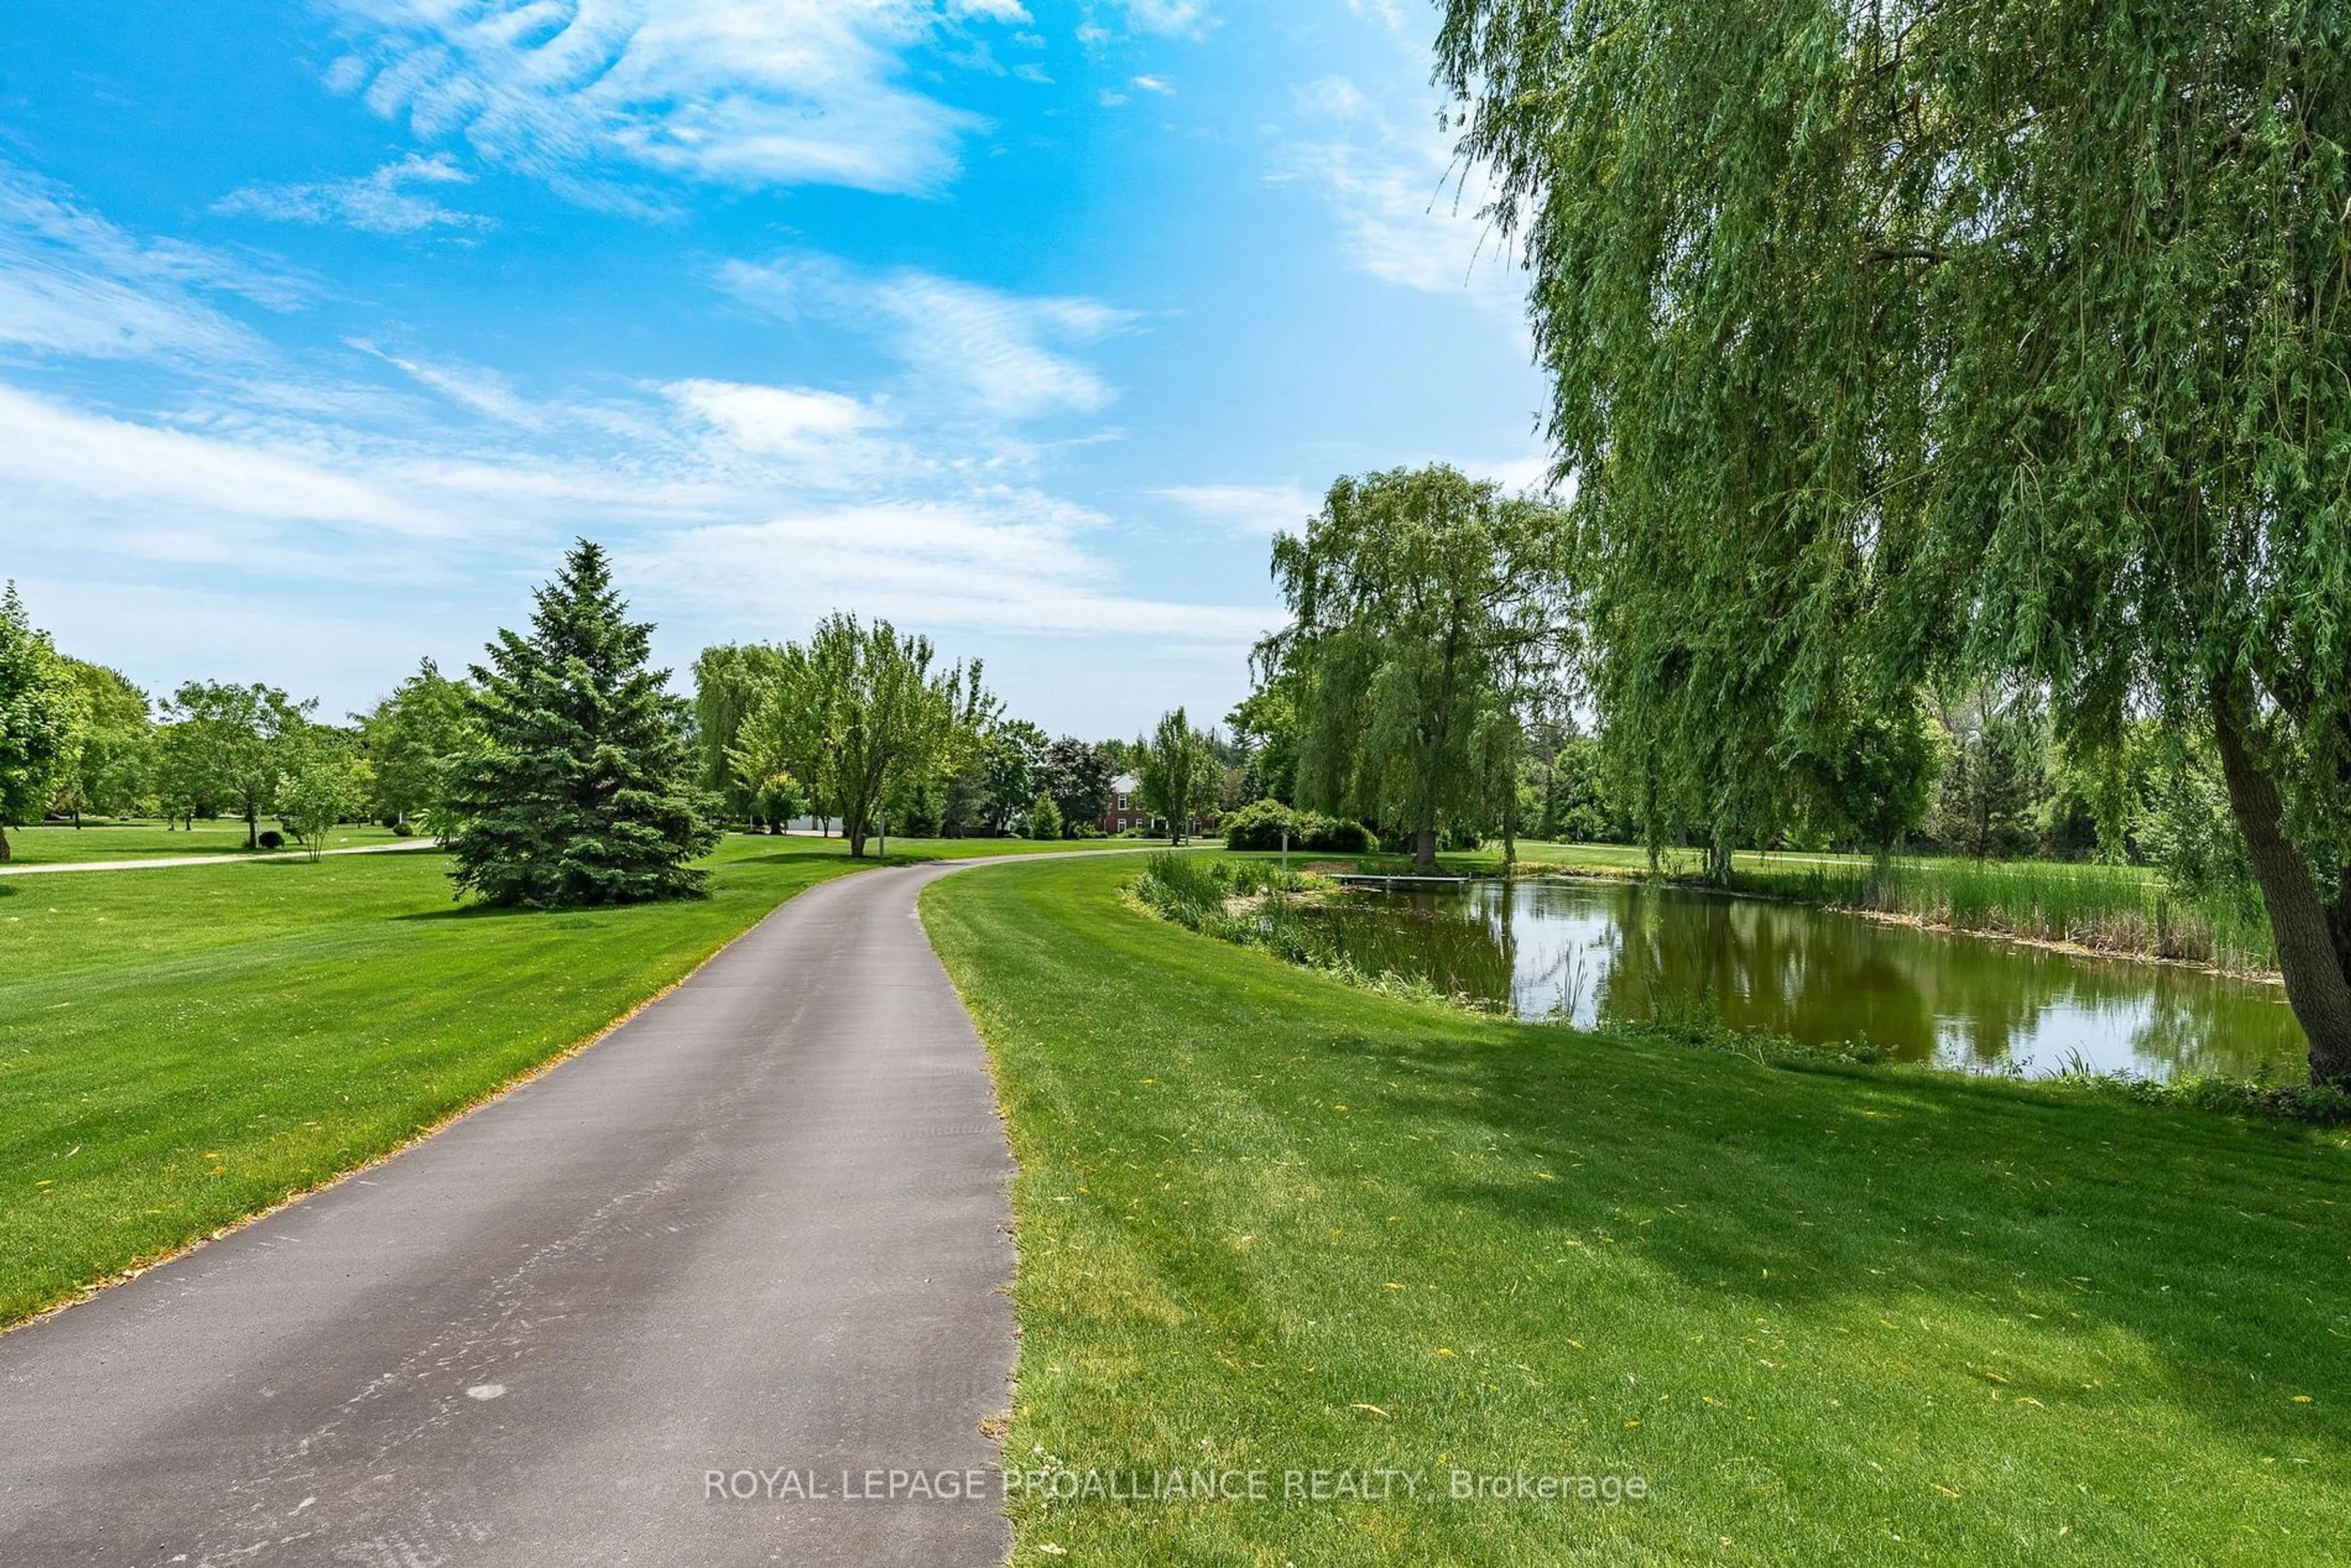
(58,844)
(1267,1221)
(181,1047)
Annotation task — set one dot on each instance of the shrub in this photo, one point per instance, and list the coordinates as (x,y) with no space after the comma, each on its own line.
(1336,837)
(1259,826)
(272,840)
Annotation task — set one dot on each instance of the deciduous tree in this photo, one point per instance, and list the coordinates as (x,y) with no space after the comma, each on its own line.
(858,713)
(729,681)
(41,718)
(1011,766)
(1420,601)
(231,746)
(1973,339)
(113,768)
(1180,777)
(327,787)
(411,739)
(1078,777)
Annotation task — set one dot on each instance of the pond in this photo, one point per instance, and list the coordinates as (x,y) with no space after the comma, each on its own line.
(1585,951)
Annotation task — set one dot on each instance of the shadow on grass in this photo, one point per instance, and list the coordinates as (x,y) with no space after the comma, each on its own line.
(792,857)
(510,911)
(2216,1246)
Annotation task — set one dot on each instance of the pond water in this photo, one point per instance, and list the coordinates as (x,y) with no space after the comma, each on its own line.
(1584,951)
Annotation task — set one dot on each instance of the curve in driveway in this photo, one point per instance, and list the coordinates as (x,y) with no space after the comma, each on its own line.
(763,1227)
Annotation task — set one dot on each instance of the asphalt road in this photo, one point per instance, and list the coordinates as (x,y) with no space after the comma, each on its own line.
(763,1227)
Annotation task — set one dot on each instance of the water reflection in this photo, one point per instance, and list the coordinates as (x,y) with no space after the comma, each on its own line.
(1587,951)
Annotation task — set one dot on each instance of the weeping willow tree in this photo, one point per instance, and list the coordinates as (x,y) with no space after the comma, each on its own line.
(1425,606)
(1985,339)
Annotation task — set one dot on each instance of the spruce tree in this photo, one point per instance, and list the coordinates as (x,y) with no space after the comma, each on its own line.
(582,789)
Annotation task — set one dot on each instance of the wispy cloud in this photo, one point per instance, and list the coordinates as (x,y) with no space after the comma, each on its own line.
(1252,509)
(390,200)
(1179,17)
(745,92)
(470,386)
(152,472)
(1004,354)
(807,439)
(74,285)
(1404,214)
(1004,560)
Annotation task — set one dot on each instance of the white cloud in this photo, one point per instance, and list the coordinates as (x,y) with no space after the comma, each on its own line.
(1004,354)
(72,284)
(1110,99)
(1170,16)
(810,439)
(484,392)
(48,447)
(1160,85)
(1404,214)
(1254,510)
(1002,560)
(745,92)
(774,419)
(386,202)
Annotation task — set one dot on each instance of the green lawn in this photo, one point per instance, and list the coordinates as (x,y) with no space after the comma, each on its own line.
(1270,1222)
(180,1048)
(102,841)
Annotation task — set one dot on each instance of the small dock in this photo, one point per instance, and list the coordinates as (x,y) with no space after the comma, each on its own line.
(1400,883)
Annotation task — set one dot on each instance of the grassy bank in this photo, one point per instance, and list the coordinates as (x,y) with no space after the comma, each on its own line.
(1268,1221)
(181,1047)
(2118,909)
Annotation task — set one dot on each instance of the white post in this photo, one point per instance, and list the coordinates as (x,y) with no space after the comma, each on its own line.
(1285,854)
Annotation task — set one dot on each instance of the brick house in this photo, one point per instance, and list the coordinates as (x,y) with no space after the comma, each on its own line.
(1125,808)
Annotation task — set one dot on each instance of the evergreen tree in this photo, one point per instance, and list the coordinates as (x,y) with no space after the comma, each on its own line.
(581,790)
(1044,818)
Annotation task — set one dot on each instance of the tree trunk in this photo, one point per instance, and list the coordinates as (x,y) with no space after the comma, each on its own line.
(2316,982)
(7,854)
(252,828)
(1424,852)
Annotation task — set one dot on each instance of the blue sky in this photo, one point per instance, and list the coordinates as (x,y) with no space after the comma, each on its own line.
(1023,323)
